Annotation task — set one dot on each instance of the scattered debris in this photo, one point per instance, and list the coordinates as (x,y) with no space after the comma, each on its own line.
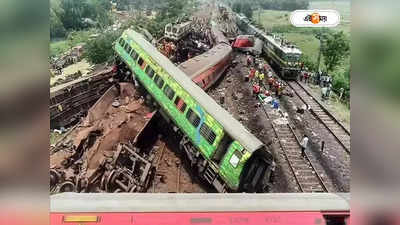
(100,155)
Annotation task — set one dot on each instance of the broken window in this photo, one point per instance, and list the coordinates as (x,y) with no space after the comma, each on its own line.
(169,92)
(180,104)
(193,118)
(159,81)
(207,133)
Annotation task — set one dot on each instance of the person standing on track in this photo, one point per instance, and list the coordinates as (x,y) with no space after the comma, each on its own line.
(256,74)
(252,73)
(261,79)
(256,89)
(304,143)
(249,60)
(270,82)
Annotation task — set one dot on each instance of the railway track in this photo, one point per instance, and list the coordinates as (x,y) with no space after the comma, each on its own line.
(341,134)
(304,171)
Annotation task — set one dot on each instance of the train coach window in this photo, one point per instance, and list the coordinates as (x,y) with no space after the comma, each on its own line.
(169,92)
(140,61)
(235,158)
(128,49)
(134,55)
(121,42)
(207,133)
(149,71)
(180,104)
(159,81)
(193,118)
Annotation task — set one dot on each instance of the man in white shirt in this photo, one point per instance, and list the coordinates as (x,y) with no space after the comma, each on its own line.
(304,143)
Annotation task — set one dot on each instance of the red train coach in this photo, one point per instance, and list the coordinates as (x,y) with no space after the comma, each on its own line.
(205,69)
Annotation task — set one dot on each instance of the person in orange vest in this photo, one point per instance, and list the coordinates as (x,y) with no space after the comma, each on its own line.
(252,74)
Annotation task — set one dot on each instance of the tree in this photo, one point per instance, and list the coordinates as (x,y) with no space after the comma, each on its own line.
(236,7)
(246,10)
(335,48)
(100,50)
(56,26)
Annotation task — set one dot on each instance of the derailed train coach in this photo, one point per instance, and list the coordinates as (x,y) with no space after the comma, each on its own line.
(284,57)
(224,153)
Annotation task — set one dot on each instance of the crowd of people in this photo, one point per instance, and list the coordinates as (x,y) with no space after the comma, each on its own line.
(268,89)
(262,79)
(320,78)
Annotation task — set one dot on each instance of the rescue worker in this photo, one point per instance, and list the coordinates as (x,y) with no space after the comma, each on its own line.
(249,60)
(277,88)
(266,68)
(261,79)
(323,93)
(280,90)
(252,73)
(256,74)
(276,85)
(271,81)
(329,89)
(269,73)
(304,143)
(256,89)
(306,76)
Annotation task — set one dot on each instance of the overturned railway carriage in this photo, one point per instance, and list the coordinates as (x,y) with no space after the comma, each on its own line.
(283,57)
(225,154)
(207,68)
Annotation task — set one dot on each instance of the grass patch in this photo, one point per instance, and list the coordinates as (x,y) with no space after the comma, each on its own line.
(58,47)
(74,38)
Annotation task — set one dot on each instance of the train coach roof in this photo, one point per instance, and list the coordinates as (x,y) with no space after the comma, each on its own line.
(200,63)
(284,48)
(235,129)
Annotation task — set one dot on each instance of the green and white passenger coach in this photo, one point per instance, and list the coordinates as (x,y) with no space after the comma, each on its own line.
(223,152)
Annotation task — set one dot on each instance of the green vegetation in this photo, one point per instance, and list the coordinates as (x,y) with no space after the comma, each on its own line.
(267,4)
(243,7)
(69,15)
(335,48)
(74,38)
(100,49)
(277,21)
(73,22)
(58,47)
